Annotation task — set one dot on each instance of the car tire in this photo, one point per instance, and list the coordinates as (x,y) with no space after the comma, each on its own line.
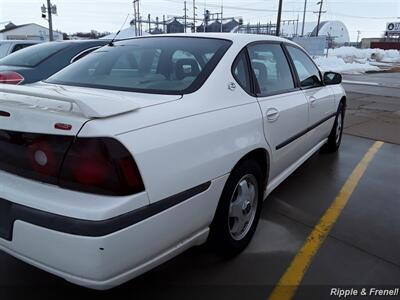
(335,137)
(240,203)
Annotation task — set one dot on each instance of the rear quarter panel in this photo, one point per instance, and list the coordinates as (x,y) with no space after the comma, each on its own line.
(184,143)
(183,153)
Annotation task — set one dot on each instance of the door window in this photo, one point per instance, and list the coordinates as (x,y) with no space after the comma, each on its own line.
(308,73)
(271,68)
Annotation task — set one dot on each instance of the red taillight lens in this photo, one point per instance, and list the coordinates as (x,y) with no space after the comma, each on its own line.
(10,77)
(102,166)
(33,155)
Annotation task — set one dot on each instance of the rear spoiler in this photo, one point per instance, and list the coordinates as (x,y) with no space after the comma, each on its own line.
(90,105)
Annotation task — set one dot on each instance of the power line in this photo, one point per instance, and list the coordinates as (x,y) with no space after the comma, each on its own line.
(361,17)
(242,8)
(289,11)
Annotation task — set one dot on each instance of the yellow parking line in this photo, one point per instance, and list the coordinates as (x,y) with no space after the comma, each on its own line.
(294,274)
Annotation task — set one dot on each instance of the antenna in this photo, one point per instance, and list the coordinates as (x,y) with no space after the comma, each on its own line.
(111,43)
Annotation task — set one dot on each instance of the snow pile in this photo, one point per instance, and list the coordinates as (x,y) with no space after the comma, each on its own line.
(351,60)
(337,64)
(352,54)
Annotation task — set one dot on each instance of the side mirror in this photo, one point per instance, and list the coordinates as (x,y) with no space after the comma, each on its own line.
(332,78)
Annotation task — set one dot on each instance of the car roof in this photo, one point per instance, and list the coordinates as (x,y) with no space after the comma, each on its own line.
(85,41)
(241,38)
(20,41)
(77,42)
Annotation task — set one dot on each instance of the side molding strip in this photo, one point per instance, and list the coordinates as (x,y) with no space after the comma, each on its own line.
(298,135)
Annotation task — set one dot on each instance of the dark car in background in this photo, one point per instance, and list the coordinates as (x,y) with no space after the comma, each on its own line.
(39,62)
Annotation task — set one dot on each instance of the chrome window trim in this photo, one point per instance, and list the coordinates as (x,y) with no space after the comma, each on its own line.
(84,51)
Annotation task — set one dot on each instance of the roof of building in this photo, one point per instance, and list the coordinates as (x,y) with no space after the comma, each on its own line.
(173,20)
(322,24)
(12,27)
(126,33)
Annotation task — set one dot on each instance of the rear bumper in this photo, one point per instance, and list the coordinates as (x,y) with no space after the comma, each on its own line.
(11,212)
(100,256)
(81,261)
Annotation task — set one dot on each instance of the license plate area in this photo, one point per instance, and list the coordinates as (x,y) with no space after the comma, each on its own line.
(6,219)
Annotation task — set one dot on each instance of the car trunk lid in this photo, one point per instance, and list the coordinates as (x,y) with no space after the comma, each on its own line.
(39,107)
(40,122)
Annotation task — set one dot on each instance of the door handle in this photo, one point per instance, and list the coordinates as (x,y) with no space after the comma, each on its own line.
(272,114)
(313,100)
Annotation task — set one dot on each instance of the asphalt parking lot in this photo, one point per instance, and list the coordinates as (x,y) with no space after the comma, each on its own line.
(360,250)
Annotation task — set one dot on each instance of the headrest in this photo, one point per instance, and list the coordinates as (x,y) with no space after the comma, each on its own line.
(186,67)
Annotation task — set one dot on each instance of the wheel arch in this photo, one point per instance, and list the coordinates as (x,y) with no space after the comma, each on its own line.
(262,157)
(344,101)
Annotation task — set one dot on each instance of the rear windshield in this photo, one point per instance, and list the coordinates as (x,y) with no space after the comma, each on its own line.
(168,65)
(33,55)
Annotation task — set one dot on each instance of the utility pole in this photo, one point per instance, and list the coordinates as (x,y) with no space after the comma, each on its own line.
(139,18)
(157,22)
(319,15)
(278,21)
(50,21)
(149,20)
(50,10)
(358,36)
(205,20)
(185,16)
(222,15)
(304,17)
(194,15)
(135,17)
(163,22)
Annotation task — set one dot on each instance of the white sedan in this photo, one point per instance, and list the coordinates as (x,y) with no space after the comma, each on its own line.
(152,145)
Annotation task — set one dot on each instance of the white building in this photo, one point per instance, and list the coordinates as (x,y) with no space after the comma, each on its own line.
(29,31)
(126,33)
(337,30)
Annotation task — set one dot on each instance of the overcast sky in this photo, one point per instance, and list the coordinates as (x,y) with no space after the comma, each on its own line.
(368,16)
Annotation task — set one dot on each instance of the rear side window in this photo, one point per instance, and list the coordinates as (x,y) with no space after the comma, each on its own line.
(165,65)
(240,71)
(20,46)
(33,55)
(271,68)
(308,73)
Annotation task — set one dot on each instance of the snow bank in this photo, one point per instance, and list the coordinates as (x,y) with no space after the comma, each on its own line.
(351,60)
(337,64)
(351,54)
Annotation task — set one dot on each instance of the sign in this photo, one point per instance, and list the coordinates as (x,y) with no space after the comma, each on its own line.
(314,45)
(393,27)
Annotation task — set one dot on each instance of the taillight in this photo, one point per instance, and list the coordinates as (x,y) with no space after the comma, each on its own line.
(102,166)
(11,77)
(33,155)
(93,165)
